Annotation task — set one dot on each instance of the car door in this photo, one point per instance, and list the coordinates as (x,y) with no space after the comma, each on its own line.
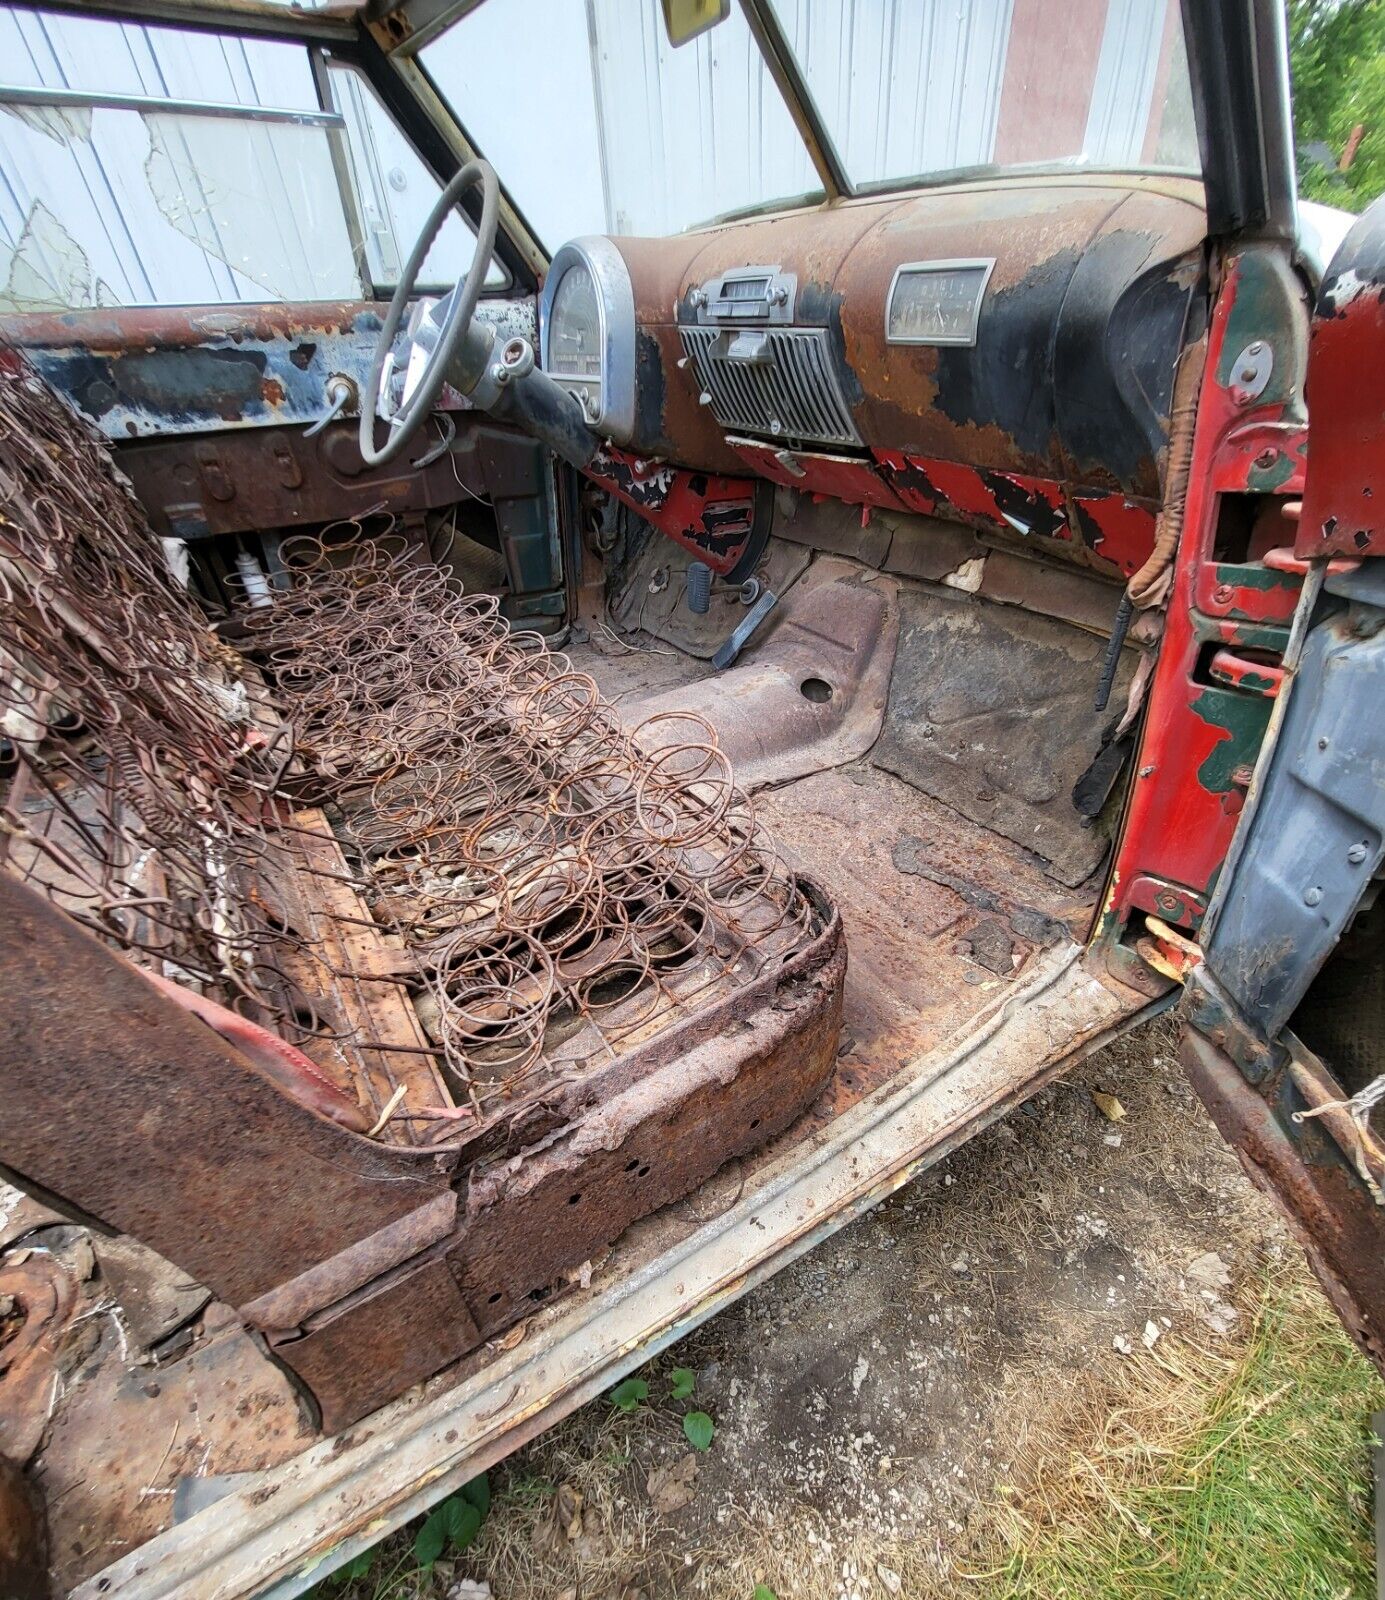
(1285,1017)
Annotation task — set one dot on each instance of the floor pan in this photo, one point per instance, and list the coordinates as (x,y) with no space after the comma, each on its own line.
(966,988)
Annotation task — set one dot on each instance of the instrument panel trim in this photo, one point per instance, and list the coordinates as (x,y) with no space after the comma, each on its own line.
(615,301)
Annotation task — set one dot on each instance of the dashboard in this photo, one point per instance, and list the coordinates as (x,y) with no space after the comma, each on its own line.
(1001,352)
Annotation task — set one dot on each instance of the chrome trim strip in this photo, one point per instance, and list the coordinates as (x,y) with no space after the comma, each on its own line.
(615,300)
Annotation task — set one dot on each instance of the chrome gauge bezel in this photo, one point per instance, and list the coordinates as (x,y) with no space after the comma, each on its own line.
(615,303)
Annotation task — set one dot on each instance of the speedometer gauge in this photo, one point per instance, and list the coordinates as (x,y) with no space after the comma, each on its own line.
(587,333)
(574,327)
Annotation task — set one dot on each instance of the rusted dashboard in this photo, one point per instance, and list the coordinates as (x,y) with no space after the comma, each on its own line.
(1000,353)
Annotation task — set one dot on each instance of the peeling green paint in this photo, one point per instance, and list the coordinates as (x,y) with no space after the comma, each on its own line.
(1243,719)
(1265,480)
(1245,634)
(1267,306)
(1254,576)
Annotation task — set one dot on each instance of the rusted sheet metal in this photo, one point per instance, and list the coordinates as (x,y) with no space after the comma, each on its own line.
(712,516)
(290,1304)
(303,1224)
(988,499)
(1301,1166)
(44,1298)
(23,1537)
(830,627)
(715,1098)
(1117,534)
(669,422)
(146,371)
(1056,385)
(1077,339)
(133,1111)
(299,1521)
(254,479)
(1115,528)
(1201,736)
(829,477)
(406,1329)
(1344,497)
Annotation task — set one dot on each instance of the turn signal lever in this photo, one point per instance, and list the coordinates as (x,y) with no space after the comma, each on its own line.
(503,380)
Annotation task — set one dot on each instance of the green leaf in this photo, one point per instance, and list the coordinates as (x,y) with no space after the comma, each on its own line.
(478,1494)
(463,1521)
(359,1565)
(764,1592)
(698,1429)
(627,1396)
(681,1382)
(431,1537)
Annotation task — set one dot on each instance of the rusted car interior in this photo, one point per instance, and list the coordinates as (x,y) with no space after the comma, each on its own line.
(526,806)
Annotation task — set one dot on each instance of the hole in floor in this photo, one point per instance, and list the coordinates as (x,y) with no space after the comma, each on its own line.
(818,690)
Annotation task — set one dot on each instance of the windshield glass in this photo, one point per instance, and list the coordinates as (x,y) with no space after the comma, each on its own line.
(621,133)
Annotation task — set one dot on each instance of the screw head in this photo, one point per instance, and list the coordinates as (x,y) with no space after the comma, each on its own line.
(1223,594)
(1357,854)
(1313,896)
(1266,459)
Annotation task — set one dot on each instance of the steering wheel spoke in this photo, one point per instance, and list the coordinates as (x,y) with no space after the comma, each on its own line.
(434,330)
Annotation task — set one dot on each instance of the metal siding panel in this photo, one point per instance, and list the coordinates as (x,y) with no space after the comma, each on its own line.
(688,133)
(868,61)
(1125,74)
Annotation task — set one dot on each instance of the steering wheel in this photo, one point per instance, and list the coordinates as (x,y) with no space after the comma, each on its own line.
(435,327)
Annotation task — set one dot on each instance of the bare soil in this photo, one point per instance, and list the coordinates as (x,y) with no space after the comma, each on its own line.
(878,1400)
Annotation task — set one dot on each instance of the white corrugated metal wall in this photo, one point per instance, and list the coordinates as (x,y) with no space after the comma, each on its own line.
(608,129)
(108,207)
(633,136)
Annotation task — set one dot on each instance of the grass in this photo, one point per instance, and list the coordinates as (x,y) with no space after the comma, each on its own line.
(1186,1473)
(1213,1477)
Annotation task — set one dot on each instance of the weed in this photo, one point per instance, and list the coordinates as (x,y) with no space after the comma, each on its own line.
(698,1429)
(630,1395)
(681,1383)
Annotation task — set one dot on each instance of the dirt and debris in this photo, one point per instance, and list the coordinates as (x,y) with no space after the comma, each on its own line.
(873,1400)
